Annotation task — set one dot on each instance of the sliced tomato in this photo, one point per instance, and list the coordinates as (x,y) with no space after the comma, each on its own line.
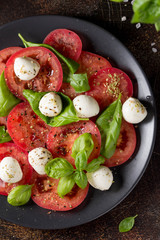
(3,121)
(26,129)
(61,139)
(66,42)
(90,63)
(107,84)
(49,77)
(11,150)
(5,55)
(44,194)
(125,146)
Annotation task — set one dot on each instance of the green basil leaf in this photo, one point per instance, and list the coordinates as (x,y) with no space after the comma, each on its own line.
(19,195)
(78,81)
(83,143)
(4,136)
(116,0)
(81,160)
(157,25)
(80,179)
(71,64)
(58,168)
(68,114)
(109,124)
(95,164)
(127,224)
(146,11)
(7,99)
(65,185)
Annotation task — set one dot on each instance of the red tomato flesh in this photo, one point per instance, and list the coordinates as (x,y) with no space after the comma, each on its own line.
(26,129)
(125,146)
(107,84)
(5,55)
(61,139)
(11,150)
(49,77)
(66,42)
(90,63)
(44,194)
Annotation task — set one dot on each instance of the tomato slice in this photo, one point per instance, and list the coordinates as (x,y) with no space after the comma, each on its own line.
(66,42)
(11,150)
(107,84)
(44,194)
(26,129)
(60,139)
(125,146)
(5,55)
(3,121)
(49,77)
(90,63)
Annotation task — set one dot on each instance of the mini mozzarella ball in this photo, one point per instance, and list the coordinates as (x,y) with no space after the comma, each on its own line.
(10,170)
(85,106)
(38,158)
(26,68)
(101,179)
(50,104)
(133,111)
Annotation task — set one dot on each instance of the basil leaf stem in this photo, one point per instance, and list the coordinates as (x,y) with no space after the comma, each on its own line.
(68,114)
(19,195)
(7,99)
(71,64)
(127,224)
(109,124)
(4,135)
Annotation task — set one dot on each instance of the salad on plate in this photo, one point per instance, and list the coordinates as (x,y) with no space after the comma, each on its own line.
(66,118)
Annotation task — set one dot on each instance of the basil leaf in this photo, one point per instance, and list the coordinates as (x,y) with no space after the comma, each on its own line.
(19,195)
(65,185)
(4,136)
(127,224)
(80,179)
(146,11)
(81,160)
(68,114)
(83,143)
(116,0)
(7,99)
(71,64)
(78,81)
(109,124)
(95,164)
(58,167)
(157,25)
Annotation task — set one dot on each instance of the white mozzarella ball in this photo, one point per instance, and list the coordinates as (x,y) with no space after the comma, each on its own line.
(10,170)
(50,104)
(133,111)
(26,68)
(101,179)
(86,106)
(38,158)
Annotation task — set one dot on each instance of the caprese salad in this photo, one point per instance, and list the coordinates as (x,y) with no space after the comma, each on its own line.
(66,117)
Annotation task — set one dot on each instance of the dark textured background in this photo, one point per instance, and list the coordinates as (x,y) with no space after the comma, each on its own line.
(145,198)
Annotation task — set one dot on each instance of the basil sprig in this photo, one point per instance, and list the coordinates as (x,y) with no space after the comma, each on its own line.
(4,136)
(145,11)
(71,64)
(127,224)
(7,99)
(67,115)
(61,168)
(19,195)
(109,124)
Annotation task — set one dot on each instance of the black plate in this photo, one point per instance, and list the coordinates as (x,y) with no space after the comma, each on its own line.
(126,177)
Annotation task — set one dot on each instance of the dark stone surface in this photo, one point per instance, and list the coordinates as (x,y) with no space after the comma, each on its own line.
(145,198)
